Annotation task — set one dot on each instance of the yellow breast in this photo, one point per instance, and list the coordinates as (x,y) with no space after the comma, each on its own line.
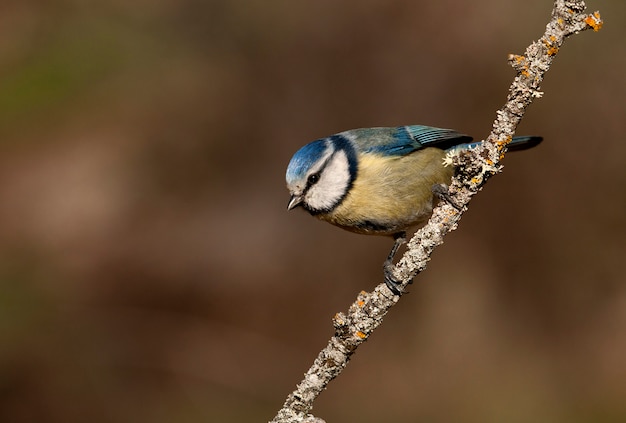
(391,194)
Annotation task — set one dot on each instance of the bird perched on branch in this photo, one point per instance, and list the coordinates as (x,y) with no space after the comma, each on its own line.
(378,181)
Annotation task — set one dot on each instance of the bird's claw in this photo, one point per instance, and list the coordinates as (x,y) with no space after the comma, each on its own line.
(441,192)
(390,280)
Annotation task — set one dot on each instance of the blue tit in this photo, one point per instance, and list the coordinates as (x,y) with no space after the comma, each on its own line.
(377,181)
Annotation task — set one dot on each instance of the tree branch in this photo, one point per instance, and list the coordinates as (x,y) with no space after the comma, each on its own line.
(474,168)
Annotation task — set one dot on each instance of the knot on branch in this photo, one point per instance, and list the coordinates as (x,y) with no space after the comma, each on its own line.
(475,166)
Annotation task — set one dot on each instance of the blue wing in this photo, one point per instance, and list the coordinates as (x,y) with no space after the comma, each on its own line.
(403,140)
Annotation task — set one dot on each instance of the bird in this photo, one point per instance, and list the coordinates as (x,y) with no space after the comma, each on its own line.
(379,181)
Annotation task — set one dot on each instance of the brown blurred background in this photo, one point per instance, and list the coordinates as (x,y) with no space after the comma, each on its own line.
(149,270)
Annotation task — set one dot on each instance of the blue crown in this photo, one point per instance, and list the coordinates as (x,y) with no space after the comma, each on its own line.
(304,158)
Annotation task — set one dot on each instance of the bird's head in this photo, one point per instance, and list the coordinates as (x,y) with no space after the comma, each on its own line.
(321,173)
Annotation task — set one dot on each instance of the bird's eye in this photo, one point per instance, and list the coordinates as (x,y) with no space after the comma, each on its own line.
(313,178)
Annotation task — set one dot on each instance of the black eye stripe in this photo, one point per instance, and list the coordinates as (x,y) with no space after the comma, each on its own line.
(312,180)
(315,177)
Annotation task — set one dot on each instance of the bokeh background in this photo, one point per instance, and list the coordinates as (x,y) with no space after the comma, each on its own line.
(149,270)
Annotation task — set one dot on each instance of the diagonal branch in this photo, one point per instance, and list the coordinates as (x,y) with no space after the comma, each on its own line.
(474,168)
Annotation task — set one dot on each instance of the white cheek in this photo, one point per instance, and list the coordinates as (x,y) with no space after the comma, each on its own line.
(333,184)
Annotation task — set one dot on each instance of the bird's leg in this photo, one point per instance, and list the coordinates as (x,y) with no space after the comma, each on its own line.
(441,191)
(390,279)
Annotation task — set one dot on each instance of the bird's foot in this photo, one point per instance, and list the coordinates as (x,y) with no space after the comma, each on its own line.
(390,280)
(441,192)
